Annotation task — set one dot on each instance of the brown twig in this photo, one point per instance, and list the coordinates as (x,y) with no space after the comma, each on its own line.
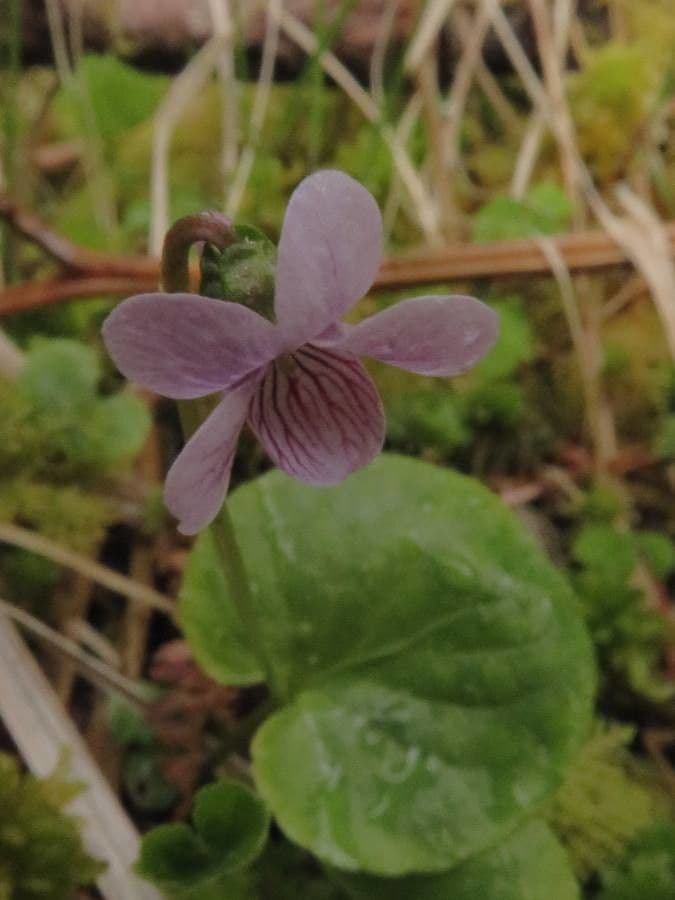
(71,256)
(92,274)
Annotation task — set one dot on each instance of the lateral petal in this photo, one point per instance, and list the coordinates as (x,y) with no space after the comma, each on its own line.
(184,345)
(199,477)
(432,335)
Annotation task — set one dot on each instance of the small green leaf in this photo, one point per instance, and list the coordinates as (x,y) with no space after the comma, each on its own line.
(144,782)
(529,865)
(647,870)
(173,855)
(126,723)
(606,551)
(658,551)
(230,830)
(120,96)
(115,431)
(545,210)
(60,376)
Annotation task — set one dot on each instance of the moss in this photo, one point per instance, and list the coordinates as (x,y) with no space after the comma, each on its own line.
(604,802)
(41,853)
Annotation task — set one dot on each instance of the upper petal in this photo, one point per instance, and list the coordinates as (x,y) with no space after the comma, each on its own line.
(184,345)
(429,335)
(197,481)
(318,415)
(329,254)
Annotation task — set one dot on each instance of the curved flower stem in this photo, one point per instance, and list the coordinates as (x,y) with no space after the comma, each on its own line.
(216,229)
(213,227)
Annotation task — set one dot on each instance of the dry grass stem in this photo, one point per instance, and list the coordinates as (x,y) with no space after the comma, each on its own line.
(423,204)
(379,55)
(464,26)
(114,581)
(472,33)
(42,731)
(99,179)
(560,118)
(223,28)
(72,602)
(11,358)
(80,631)
(427,80)
(259,110)
(587,349)
(431,22)
(645,241)
(101,673)
(184,88)
(634,288)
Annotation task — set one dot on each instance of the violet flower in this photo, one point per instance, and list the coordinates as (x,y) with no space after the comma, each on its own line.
(297,382)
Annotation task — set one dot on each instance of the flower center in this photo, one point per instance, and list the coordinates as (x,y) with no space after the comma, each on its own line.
(287,364)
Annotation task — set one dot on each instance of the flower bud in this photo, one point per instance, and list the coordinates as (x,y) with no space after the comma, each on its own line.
(242,272)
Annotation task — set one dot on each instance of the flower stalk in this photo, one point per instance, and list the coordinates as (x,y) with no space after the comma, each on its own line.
(215,229)
(211,227)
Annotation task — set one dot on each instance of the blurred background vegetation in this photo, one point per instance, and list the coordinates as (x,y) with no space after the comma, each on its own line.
(546,123)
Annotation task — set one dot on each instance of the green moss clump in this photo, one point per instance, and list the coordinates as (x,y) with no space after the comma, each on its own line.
(604,802)
(611,100)
(66,514)
(41,853)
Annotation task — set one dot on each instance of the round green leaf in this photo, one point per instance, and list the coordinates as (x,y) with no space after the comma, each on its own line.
(230,831)
(60,376)
(116,430)
(529,865)
(436,673)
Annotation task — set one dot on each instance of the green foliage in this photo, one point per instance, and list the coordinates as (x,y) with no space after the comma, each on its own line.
(59,437)
(108,95)
(647,869)
(41,854)
(545,210)
(64,513)
(126,723)
(285,872)
(444,417)
(629,635)
(144,783)
(514,346)
(422,418)
(230,831)
(604,802)
(528,865)
(28,576)
(57,424)
(664,442)
(610,100)
(418,712)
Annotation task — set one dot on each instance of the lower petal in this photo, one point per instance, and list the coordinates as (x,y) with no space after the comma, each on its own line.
(318,415)
(198,480)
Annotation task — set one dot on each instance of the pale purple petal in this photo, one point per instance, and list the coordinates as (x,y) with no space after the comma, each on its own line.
(183,345)
(197,481)
(431,335)
(318,415)
(329,254)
